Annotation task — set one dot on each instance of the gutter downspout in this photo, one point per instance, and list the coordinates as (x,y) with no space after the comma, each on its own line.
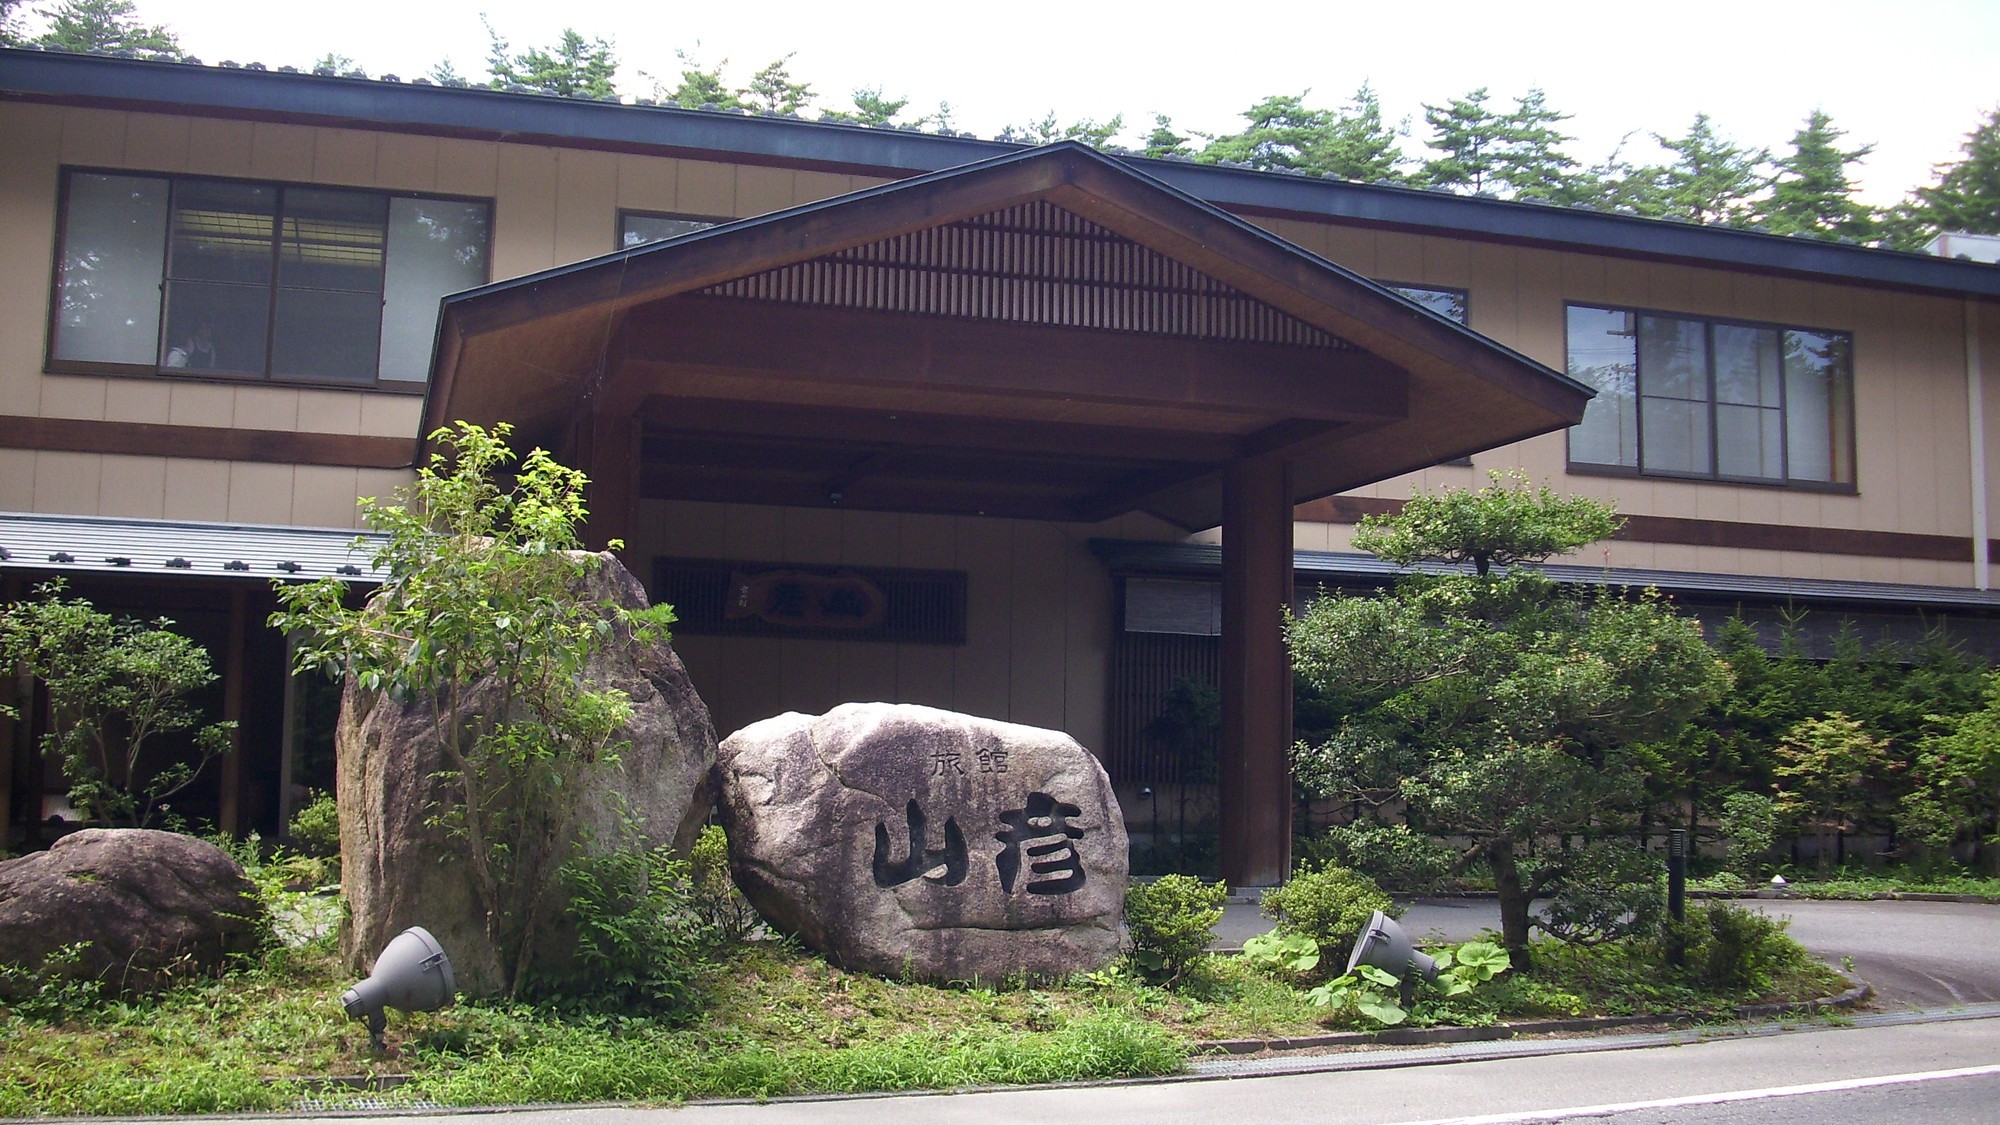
(1975,409)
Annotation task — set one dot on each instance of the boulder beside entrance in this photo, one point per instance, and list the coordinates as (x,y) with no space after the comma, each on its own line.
(913,842)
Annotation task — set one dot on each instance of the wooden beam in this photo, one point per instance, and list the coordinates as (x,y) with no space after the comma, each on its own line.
(914,496)
(231,813)
(217,443)
(893,351)
(13,732)
(1255,781)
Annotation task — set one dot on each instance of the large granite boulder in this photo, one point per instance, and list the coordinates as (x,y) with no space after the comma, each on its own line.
(146,906)
(398,871)
(909,841)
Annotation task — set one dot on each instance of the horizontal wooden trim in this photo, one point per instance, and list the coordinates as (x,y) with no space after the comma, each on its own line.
(1686,532)
(213,443)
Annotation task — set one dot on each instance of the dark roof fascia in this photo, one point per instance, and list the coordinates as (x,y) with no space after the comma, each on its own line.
(499,115)
(1204,561)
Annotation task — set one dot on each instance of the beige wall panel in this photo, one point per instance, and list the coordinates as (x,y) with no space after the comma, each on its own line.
(68,483)
(344,156)
(381,484)
(809,187)
(28,187)
(138,400)
(134,487)
(980,677)
(760,191)
(706,188)
(924,672)
(157,142)
(1628,283)
(523,221)
(1036,678)
(1923,572)
(810,535)
(468,168)
(93,137)
(201,404)
(1311,536)
(871,538)
(1447,261)
(1986,323)
(266,408)
(754,533)
(1089,630)
(17,479)
(586,205)
(647,183)
(1789,564)
(1493,284)
(1398,257)
(323,495)
(197,490)
(406,162)
(1716,502)
(282,152)
(74,396)
(260,493)
(387,415)
(746,686)
(1582,279)
(1873,570)
(809,673)
(330,412)
(1753,296)
(865,673)
(1676,289)
(1355,248)
(683,529)
(220,148)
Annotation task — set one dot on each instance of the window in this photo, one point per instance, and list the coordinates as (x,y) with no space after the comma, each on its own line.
(1680,396)
(637,228)
(1447,303)
(257,280)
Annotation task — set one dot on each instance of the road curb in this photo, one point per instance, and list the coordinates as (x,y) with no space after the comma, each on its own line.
(1430,1036)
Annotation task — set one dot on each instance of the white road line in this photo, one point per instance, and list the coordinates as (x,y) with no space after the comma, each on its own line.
(1709,1099)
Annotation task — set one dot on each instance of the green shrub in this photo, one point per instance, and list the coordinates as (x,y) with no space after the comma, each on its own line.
(640,942)
(1749,822)
(1330,906)
(723,910)
(1606,891)
(1171,919)
(1740,950)
(315,828)
(1394,855)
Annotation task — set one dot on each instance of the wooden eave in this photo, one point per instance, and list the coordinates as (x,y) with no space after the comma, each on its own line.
(763,401)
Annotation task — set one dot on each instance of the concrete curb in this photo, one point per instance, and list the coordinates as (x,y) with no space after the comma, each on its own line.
(1427,1036)
(1763,893)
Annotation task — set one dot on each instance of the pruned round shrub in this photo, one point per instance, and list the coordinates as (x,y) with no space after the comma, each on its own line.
(1330,906)
(1394,855)
(1171,920)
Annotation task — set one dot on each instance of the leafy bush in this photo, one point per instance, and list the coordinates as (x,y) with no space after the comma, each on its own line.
(1749,822)
(1330,906)
(1733,948)
(1394,855)
(1605,891)
(1171,919)
(1281,955)
(315,828)
(721,906)
(53,990)
(639,939)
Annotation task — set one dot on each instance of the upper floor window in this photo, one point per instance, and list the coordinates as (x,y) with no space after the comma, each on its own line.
(636,228)
(230,278)
(1687,397)
(1447,303)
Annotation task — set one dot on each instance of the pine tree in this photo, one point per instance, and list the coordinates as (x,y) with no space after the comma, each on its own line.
(700,87)
(1163,141)
(574,68)
(1528,157)
(771,90)
(1617,185)
(1359,146)
(107,27)
(1048,130)
(1467,138)
(1711,180)
(1281,135)
(1967,194)
(871,107)
(1812,194)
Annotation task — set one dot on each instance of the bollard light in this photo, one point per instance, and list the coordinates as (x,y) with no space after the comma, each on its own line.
(412,975)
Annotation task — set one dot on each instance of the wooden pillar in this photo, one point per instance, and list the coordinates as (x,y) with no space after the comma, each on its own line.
(230,814)
(607,449)
(1255,770)
(11,731)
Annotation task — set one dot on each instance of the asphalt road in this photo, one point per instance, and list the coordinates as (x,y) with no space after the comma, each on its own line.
(1916,954)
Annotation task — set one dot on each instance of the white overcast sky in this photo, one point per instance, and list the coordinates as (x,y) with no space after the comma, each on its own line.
(1911,77)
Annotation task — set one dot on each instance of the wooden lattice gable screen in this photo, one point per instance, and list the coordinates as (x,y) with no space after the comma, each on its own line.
(1035,263)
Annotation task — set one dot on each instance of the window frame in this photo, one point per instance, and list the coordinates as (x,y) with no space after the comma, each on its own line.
(53,365)
(624,213)
(1709,324)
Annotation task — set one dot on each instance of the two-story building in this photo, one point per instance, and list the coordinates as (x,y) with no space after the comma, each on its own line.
(1027,433)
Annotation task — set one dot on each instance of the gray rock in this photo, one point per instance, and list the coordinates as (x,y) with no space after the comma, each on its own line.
(909,841)
(147,906)
(397,871)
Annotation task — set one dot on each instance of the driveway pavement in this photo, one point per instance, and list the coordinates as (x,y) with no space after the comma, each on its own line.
(1916,954)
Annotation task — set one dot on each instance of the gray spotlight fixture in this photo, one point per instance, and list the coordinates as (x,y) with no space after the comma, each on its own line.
(1385,946)
(412,974)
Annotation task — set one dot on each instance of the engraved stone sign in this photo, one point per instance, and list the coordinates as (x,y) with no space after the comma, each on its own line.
(910,841)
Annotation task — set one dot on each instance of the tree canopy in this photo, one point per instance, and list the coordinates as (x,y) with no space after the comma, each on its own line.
(572,67)
(106,27)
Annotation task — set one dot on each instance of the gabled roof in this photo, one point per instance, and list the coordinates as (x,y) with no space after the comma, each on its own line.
(1047,291)
(537,119)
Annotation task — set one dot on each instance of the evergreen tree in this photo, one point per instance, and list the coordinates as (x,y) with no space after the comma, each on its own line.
(107,27)
(871,107)
(445,74)
(335,63)
(1617,185)
(1281,135)
(771,90)
(10,23)
(1813,194)
(1967,194)
(1163,141)
(1359,146)
(940,122)
(1467,138)
(1048,130)
(1711,179)
(1528,157)
(574,68)
(700,87)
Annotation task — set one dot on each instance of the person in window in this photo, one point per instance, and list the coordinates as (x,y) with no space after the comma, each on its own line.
(197,351)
